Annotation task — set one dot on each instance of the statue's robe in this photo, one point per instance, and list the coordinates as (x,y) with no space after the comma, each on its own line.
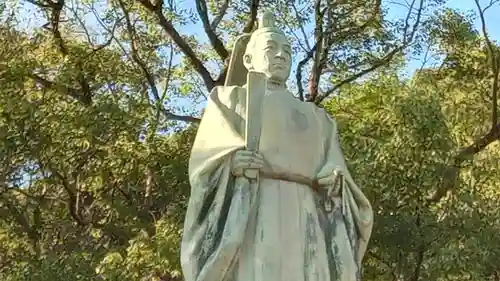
(270,230)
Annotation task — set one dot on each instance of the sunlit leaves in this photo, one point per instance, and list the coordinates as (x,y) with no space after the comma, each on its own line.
(398,136)
(93,177)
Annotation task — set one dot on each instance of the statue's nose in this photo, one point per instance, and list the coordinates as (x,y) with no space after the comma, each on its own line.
(280,55)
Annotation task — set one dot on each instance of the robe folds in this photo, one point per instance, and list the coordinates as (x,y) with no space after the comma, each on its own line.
(271,230)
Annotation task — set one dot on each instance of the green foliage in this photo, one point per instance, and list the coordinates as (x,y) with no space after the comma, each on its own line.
(398,136)
(93,151)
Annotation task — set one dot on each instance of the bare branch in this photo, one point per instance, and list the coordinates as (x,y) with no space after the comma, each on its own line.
(387,58)
(493,58)
(451,173)
(298,73)
(111,36)
(135,54)
(345,33)
(169,73)
(220,15)
(74,10)
(375,65)
(492,2)
(254,7)
(72,197)
(110,31)
(169,28)
(39,4)
(323,43)
(74,93)
(201,7)
(301,27)
(303,42)
(315,74)
(149,77)
(55,19)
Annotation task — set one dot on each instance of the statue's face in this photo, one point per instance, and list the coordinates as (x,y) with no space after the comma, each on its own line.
(272,55)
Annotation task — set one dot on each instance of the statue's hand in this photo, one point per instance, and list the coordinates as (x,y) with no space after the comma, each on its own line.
(244,159)
(331,178)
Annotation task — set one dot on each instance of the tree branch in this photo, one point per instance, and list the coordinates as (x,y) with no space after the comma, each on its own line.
(254,8)
(201,7)
(301,27)
(72,198)
(40,4)
(420,253)
(451,173)
(169,28)
(220,15)
(375,65)
(300,67)
(492,53)
(55,18)
(315,74)
(407,38)
(111,31)
(323,45)
(149,77)
(72,92)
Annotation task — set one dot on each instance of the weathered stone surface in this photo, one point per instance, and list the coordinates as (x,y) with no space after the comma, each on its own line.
(302,217)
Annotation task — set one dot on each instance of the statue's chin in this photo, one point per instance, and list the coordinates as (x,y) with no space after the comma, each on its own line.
(278,78)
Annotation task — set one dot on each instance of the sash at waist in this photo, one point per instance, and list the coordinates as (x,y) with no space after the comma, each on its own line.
(312,183)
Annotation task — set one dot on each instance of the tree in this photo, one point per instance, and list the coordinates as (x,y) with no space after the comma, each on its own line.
(100,100)
(401,135)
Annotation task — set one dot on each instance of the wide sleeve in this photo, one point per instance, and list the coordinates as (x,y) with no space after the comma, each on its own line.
(356,210)
(219,204)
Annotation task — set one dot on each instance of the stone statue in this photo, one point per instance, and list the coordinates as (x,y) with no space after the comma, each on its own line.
(301,217)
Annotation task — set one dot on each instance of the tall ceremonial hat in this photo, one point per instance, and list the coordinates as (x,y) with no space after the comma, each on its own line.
(237,72)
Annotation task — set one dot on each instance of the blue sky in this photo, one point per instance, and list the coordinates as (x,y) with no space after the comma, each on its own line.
(492,17)
(395,11)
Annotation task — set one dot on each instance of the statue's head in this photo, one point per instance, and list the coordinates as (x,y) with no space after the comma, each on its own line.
(268,50)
